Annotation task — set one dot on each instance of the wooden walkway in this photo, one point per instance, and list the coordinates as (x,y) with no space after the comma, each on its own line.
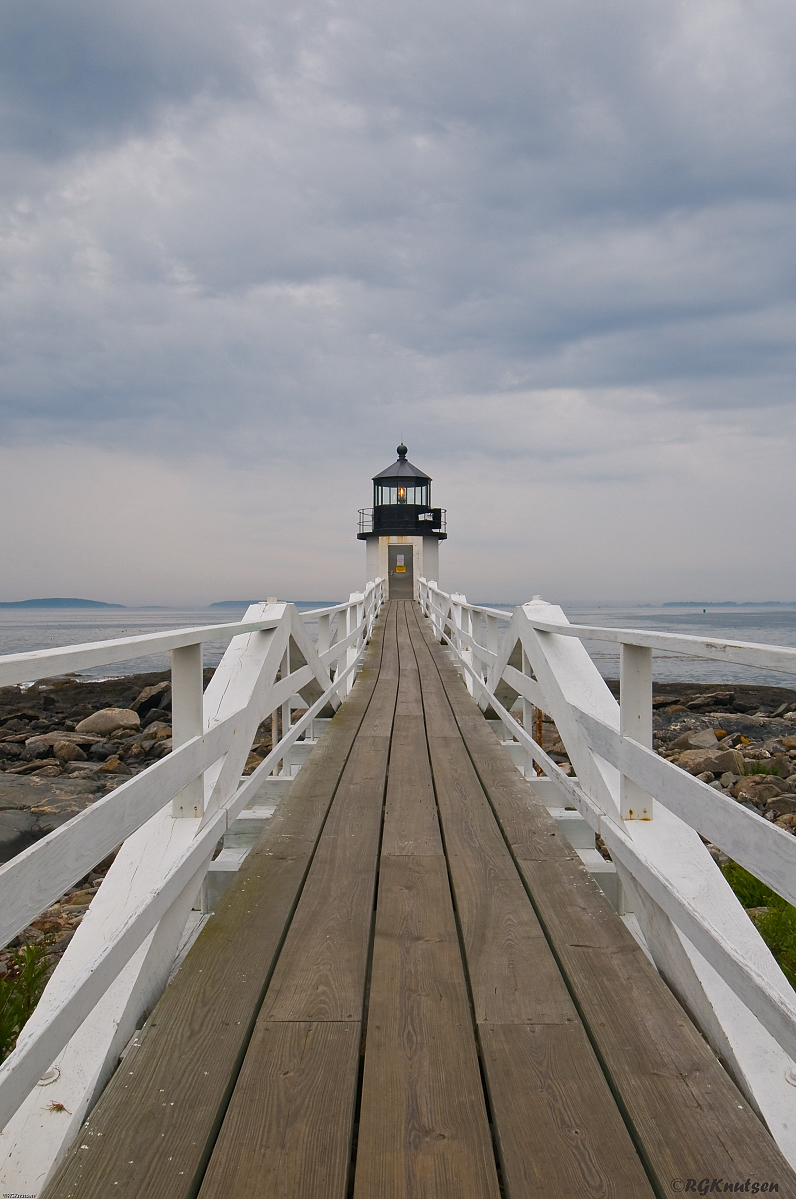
(415,991)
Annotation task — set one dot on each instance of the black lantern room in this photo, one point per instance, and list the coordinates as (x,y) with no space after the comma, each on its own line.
(402,504)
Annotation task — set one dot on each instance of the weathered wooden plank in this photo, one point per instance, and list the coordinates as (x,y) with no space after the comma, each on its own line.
(410,823)
(153,1128)
(513,976)
(684,1107)
(321,970)
(288,1128)
(686,1114)
(555,1120)
(410,699)
(424,1131)
(423,1126)
(556,1124)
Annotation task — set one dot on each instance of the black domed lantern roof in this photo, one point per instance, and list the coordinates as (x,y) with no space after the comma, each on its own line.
(402,503)
(402,477)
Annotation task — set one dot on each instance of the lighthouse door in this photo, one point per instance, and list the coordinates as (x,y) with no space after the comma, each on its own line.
(401,574)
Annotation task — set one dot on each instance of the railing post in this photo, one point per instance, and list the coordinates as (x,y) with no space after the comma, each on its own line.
(186,715)
(286,710)
(635,722)
(492,642)
(456,619)
(467,652)
(351,621)
(528,709)
(324,635)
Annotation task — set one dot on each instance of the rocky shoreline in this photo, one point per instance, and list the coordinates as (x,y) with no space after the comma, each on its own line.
(64,743)
(739,739)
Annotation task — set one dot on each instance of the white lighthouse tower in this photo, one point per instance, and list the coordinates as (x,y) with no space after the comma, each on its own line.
(402,531)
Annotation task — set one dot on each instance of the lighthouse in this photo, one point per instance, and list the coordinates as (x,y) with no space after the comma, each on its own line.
(402,531)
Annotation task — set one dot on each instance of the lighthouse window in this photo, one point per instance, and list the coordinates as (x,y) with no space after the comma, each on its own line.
(401,494)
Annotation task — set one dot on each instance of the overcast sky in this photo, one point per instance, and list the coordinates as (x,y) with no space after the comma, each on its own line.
(246,247)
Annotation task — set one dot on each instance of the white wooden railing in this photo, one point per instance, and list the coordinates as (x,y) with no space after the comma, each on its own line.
(653,817)
(168,820)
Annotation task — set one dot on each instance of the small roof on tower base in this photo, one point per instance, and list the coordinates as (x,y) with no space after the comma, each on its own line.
(402,469)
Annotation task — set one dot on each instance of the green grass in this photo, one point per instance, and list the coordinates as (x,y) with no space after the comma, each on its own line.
(777,926)
(20,989)
(763,768)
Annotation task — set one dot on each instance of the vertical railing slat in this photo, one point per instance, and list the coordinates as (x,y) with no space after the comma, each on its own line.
(635,721)
(186,711)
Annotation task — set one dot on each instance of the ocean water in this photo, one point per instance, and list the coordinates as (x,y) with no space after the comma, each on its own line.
(25,629)
(766,626)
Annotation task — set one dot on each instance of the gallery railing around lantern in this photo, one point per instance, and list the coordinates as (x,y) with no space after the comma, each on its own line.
(403,519)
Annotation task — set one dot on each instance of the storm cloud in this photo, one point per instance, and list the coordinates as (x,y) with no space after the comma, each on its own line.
(245,248)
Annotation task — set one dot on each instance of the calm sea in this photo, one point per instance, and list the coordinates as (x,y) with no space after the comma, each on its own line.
(769,626)
(25,629)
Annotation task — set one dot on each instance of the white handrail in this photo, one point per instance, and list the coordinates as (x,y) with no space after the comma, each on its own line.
(260,651)
(653,841)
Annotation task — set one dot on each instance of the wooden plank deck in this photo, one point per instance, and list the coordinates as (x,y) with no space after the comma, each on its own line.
(414,990)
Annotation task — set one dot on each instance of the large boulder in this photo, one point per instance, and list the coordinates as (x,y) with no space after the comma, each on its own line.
(108,720)
(696,739)
(717,761)
(158,696)
(67,751)
(758,789)
(63,735)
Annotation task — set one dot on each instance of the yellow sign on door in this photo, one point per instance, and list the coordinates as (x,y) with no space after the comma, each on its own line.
(400,570)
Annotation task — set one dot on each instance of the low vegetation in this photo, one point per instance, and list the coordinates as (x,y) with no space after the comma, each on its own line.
(20,989)
(774,919)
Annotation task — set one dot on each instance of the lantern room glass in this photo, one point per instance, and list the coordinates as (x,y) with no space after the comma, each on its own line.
(399,493)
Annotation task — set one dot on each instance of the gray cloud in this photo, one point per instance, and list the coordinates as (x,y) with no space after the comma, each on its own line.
(531,239)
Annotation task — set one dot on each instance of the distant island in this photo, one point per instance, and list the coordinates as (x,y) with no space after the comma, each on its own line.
(245,603)
(57,603)
(728,604)
(234,603)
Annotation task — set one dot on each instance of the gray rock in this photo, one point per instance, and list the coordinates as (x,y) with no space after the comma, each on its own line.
(156,697)
(18,830)
(156,715)
(696,739)
(36,749)
(108,720)
(717,761)
(781,804)
(67,751)
(64,735)
(102,750)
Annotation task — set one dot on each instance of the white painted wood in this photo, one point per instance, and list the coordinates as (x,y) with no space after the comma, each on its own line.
(118,962)
(711,952)
(766,851)
(635,721)
(741,653)
(38,1047)
(39,664)
(186,711)
(38,876)
(33,1144)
